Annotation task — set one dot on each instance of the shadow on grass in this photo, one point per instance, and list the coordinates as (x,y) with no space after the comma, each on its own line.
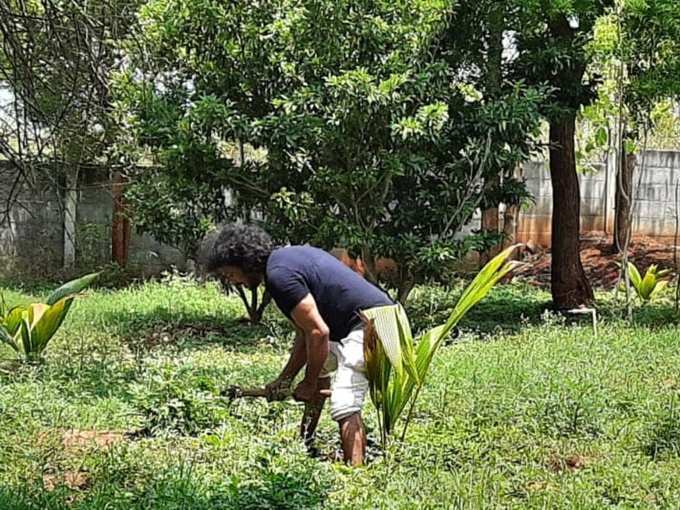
(161,327)
(507,308)
(665,440)
(160,314)
(30,499)
(280,490)
(653,316)
(508,313)
(656,316)
(664,436)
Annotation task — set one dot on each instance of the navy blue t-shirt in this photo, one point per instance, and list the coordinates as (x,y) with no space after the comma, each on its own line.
(340,293)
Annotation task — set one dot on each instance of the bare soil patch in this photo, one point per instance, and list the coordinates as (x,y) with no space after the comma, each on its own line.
(74,480)
(600,262)
(78,439)
(162,335)
(570,463)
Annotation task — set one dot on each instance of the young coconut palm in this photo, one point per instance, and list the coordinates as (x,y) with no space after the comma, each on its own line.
(396,368)
(28,328)
(651,284)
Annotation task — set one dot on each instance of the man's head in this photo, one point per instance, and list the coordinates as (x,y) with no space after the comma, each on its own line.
(239,254)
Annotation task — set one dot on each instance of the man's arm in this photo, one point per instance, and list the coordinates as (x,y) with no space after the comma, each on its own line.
(307,317)
(297,359)
(279,389)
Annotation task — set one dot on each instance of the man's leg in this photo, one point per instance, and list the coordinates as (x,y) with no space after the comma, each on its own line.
(349,388)
(312,413)
(353,437)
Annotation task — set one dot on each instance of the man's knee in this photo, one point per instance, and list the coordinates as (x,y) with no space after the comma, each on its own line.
(351,423)
(345,414)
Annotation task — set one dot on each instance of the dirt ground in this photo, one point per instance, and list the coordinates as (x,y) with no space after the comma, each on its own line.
(600,263)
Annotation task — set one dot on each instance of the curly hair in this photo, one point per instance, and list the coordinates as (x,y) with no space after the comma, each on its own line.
(245,246)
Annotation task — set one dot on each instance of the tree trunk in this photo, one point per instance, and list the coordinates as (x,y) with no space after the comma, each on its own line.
(570,287)
(70,215)
(120,228)
(254,309)
(489,224)
(368,264)
(405,288)
(623,199)
(510,225)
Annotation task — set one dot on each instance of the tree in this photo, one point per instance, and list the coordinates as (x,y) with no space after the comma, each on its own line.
(650,56)
(635,48)
(551,40)
(652,32)
(337,123)
(55,59)
(490,52)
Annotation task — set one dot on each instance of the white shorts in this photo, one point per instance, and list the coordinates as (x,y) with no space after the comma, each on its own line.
(345,365)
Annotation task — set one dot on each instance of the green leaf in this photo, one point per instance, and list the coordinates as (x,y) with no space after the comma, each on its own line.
(406,341)
(601,136)
(491,273)
(72,287)
(388,343)
(662,284)
(13,319)
(35,312)
(425,350)
(663,273)
(648,283)
(387,329)
(47,324)
(634,276)
(6,338)
(25,330)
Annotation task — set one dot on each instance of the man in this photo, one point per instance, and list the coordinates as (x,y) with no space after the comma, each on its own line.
(322,298)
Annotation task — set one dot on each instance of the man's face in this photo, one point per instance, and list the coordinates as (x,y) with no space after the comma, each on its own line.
(236,276)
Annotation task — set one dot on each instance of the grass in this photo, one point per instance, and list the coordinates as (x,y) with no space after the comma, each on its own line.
(523,410)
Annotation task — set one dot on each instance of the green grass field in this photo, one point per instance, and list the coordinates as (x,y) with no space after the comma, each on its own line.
(522,410)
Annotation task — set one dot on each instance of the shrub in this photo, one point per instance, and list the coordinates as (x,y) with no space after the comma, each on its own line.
(28,329)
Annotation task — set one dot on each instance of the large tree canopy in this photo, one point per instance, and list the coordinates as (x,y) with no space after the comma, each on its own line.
(56,60)
(360,125)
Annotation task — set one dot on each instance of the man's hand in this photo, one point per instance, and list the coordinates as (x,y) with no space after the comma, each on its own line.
(305,391)
(309,391)
(278,389)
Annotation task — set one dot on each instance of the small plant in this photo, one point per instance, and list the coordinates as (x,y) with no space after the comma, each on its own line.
(176,399)
(396,368)
(651,284)
(28,329)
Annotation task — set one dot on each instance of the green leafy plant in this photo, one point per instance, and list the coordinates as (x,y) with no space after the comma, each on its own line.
(176,398)
(396,367)
(28,329)
(398,124)
(651,284)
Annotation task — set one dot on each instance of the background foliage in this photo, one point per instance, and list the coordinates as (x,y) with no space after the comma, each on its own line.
(360,126)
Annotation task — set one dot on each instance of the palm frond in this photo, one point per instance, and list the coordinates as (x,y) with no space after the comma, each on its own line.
(396,368)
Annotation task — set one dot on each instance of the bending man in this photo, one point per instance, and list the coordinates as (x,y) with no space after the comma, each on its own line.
(322,298)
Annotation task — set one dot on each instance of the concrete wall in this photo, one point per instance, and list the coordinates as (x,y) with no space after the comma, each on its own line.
(33,235)
(656,176)
(33,240)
